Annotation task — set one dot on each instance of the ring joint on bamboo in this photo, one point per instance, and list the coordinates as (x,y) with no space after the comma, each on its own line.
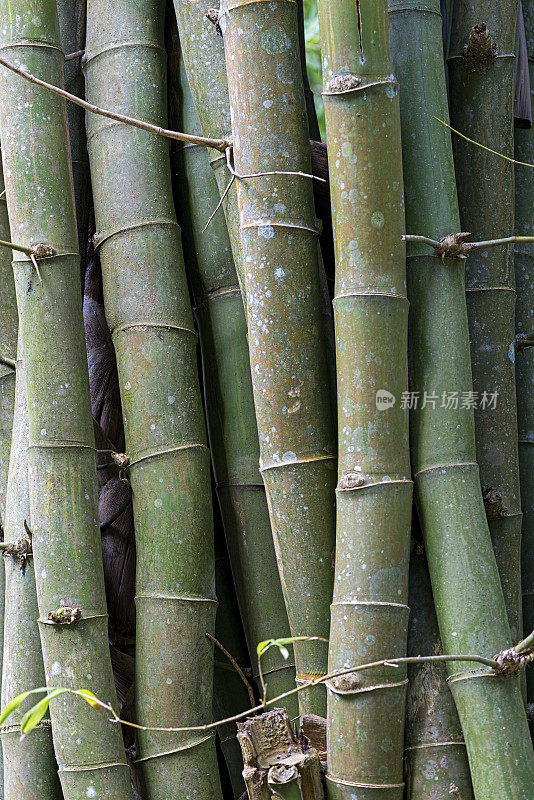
(434,744)
(341,782)
(260,223)
(188,746)
(83,618)
(143,456)
(353,690)
(356,87)
(302,460)
(445,466)
(171,597)
(145,324)
(141,43)
(86,767)
(100,238)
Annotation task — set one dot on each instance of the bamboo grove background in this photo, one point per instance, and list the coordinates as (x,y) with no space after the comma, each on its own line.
(207,512)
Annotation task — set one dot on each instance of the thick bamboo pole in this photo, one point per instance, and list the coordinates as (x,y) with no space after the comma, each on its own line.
(149,314)
(231,418)
(8,346)
(30,769)
(435,751)
(71,15)
(465,582)
(524,265)
(61,456)
(481,82)
(374,493)
(285,330)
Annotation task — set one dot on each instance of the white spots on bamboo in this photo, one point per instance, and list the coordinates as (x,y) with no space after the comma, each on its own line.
(90,791)
(55,669)
(158,502)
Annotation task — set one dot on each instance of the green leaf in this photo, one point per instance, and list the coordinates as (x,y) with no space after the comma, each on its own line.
(15,703)
(92,699)
(33,717)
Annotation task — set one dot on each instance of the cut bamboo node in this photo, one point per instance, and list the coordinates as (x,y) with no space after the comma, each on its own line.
(121,460)
(65,615)
(344,683)
(342,83)
(480,46)
(493,503)
(351,480)
(452,246)
(509,662)
(43,250)
(21,548)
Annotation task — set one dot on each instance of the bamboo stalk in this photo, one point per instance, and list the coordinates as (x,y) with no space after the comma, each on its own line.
(524,263)
(30,769)
(283,299)
(467,593)
(481,80)
(61,456)
(435,752)
(231,418)
(149,314)
(374,492)
(71,15)
(8,345)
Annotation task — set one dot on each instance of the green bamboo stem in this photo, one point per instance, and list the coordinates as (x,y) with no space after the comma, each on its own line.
(230,695)
(436,755)
(524,366)
(71,15)
(374,492)
(61,456)
(435,752)
(481,97)
(467,593)
(30,769)
(8,345)
(149,314)
(231,418)
(284,314)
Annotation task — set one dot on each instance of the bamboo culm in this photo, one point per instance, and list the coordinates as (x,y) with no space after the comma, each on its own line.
(524,365)
(229,401)
(61,455)
(374,492)
(30,769)
(481,64)
(458,546)
(279,256)
(149,313)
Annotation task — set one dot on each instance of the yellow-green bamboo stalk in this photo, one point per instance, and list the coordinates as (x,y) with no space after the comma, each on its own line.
(279,255)
(374,493)
(61,455)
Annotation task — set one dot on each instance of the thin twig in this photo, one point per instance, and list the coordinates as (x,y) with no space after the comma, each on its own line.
(72,56)
(217,144)
(482,146)
(270,172)
(393,662)
(235,665)
(8,362)
(219,204)
(465,247)
(526,644)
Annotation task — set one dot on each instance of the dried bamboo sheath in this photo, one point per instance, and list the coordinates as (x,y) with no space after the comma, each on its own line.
(229,403)
(64,508)
(374,494)
(278,241)
(148,310)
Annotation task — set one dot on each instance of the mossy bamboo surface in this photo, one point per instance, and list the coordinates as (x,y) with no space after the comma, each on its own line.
(30,769)
(524,275)
(468,597)
(231,418)
(149,314)
(284,315)
(8,346)
(61,456)
(435,751)
(374,492)
(481,98)
(72,15)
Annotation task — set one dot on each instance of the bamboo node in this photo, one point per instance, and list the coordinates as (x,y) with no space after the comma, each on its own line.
(121,460)
(345,683)
(342,83)
(480,46)
(21,548)
(65,615)
(351,480)
(509,662)
(43,250)
(452,246)
(493,503)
